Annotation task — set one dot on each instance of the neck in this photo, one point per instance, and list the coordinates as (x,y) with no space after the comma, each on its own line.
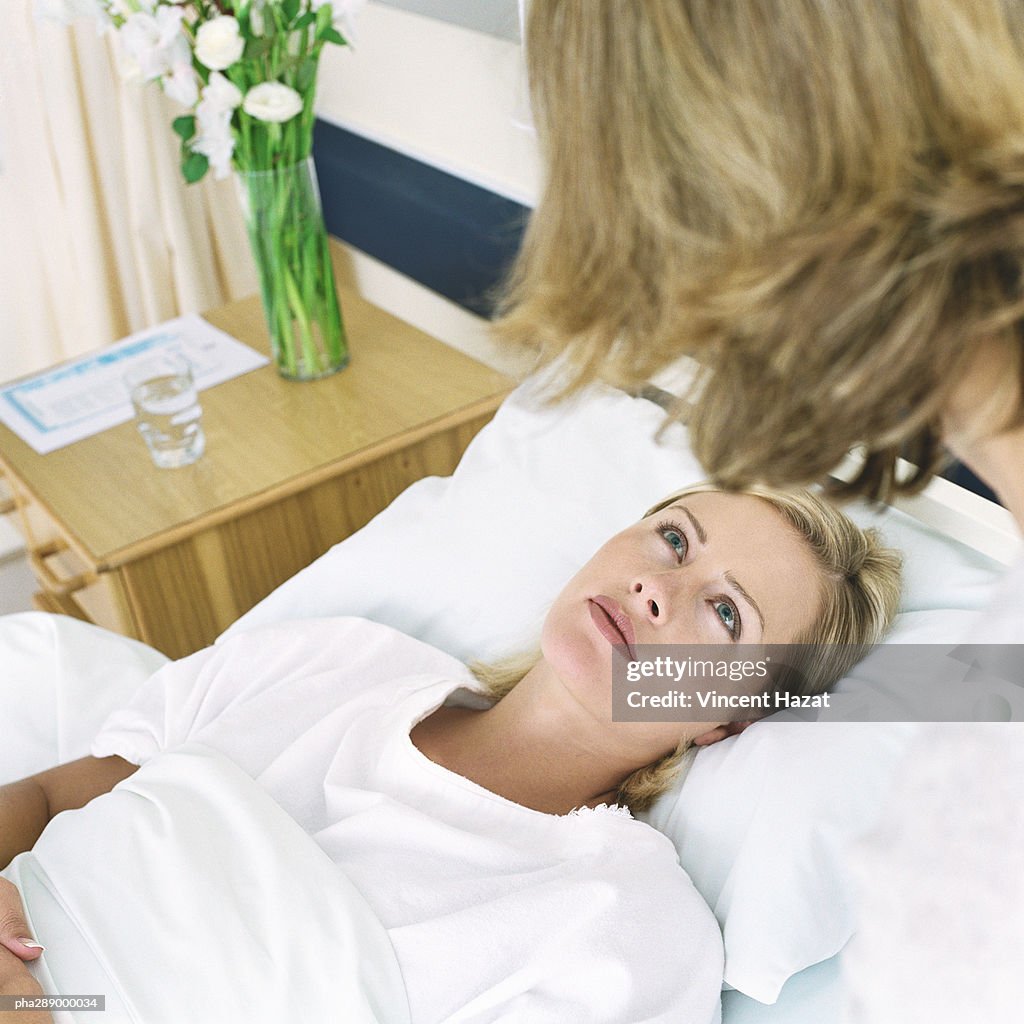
(999,461)
(529,748)
(981,398)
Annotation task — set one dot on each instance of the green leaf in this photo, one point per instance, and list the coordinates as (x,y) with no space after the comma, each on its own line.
(307,19)
(257,47)
(332,35)
(184,126)
(194,166)
(290,8)
(306,75)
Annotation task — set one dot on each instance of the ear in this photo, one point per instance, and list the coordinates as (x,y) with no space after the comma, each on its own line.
(720,732)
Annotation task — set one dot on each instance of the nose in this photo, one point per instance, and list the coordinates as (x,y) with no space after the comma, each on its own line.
(652,597)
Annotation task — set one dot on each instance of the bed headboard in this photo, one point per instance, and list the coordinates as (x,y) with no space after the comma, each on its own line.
(446,233)
(971,518)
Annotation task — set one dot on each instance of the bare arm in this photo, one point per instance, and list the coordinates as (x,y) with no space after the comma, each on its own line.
(28,805)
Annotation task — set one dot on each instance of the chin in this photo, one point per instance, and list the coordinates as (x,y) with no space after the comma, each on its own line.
(573,648)
(580,666)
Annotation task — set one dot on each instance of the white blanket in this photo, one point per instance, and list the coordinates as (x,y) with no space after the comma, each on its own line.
(187,895)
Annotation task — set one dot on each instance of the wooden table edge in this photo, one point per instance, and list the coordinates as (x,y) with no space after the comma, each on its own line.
(294,485)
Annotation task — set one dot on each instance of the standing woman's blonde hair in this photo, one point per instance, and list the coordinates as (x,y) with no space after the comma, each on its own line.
(822,200)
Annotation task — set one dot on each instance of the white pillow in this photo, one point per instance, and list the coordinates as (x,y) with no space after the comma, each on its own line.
(470,565)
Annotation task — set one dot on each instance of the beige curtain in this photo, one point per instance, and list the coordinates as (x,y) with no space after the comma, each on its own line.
(99,234)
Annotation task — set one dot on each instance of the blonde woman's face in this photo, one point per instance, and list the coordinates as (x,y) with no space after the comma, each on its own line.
(712,568)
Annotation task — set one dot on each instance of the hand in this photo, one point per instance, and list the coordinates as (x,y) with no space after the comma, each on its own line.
(13,929)
(17,980)
(15,977)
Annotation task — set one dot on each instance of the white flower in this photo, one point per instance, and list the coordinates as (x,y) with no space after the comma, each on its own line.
(343,15)
(155,42)
(256,15)
(213,123)
(219,43)
(272,101)
(218,148)
(182,84)
(125,8)
(220,94)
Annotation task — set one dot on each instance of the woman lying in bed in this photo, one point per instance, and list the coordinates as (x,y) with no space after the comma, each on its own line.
(493,838)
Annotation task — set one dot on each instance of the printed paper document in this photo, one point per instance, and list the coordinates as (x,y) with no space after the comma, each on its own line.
(85,396)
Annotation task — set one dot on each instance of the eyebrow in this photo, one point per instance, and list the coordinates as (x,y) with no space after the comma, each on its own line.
(702,536)
(753,604)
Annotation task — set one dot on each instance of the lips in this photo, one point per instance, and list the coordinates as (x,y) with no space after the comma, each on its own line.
(613,623)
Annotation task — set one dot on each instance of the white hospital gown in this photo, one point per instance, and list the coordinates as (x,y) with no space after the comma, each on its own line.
(941,931)
(496,912)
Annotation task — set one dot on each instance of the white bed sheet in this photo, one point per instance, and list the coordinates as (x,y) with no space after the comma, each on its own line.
(233,911)
(165,842)
(814,996)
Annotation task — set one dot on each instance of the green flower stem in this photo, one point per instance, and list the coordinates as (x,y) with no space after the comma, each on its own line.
(291,248)
(298,309)
(337,343)
(284,349)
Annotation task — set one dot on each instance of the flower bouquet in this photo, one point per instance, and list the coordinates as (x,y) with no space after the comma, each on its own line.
(247,69)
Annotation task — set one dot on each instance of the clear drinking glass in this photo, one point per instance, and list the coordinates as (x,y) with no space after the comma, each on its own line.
(167,410)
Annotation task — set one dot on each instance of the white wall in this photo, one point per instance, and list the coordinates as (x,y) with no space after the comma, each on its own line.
(441,93)
(496,17)
(453,98)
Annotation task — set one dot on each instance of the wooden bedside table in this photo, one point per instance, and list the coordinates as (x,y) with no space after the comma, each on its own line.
(173,557)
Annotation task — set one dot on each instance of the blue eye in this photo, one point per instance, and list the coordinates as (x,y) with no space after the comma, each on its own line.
(730,618)
(675,538)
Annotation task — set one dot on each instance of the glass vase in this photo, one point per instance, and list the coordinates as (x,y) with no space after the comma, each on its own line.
(289,244)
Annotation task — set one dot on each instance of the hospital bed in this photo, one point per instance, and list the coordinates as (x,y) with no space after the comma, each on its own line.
(763,822)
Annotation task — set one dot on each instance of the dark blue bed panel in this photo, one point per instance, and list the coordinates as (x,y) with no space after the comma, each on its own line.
(961,475)
(454,237)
